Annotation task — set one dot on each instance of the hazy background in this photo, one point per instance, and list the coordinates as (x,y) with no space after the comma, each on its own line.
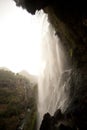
(19,38)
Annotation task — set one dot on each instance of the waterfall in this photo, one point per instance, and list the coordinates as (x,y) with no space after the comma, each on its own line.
(53,82)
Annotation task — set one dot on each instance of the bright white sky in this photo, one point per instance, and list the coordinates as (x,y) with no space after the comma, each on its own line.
(20,38)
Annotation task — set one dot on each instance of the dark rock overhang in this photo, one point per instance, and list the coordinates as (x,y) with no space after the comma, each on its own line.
(64,7)
(32,5)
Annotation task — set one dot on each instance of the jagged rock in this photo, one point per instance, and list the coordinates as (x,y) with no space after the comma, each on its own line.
(47,122)
(60,121)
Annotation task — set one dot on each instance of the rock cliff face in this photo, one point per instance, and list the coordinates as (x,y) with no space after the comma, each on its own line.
(70,22)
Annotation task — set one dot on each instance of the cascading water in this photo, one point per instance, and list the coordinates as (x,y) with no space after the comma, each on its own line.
(53,82)
(39,51)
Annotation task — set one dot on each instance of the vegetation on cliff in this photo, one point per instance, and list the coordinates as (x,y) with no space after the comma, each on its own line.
(17,102)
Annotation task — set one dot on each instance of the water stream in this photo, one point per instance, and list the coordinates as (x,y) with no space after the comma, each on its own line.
(53,83)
